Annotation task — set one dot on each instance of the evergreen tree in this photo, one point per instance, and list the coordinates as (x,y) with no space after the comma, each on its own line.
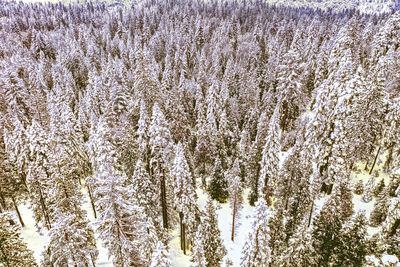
(352,247)
(328,223)
(256,251)
(39,177)
(379,188)
(270,160)
(161,160)
(71,239)
(14,251)
(381,207)
(184,197)
(120,223)
(299,251)
(218,186)
(208,247)
(160,256)
(359,187)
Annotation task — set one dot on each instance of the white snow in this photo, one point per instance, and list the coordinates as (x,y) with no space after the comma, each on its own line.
(36,241)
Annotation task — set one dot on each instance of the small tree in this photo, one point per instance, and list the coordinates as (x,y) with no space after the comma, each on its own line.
(352,247)
(359,187)
(160,256)
(13,250)
(256,251)
(379,188)
(218,187)
(208,248)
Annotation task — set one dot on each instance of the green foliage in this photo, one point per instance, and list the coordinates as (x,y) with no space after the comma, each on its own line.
(218,187)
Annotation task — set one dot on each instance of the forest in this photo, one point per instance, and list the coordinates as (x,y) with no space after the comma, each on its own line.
(252,134)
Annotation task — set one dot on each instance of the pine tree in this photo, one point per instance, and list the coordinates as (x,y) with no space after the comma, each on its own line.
(14,251)
(359,187)
(120,223)
(299,251)
(218,186)
(161,159)
(270,160)
(208,248)
(352,247)
(379,188)
(391,226)
(328,223)
(292,98)
(381,207)
(71,239)
(367,196)
(39,177)
(256,251)
(12,185)
(146,198)
(160,256)
(184,197)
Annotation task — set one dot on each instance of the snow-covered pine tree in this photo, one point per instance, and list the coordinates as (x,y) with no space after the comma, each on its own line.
(161,159)
(381,207)
(299,251)
(13,250)
(146,197)
(12,185)
(236,194)
(39,177)
(71,240)
(208,248)
(120,223)
(160,256)
(328,223)
(391,226)
(270,159)
(256,251)
(292,98)
(184,197)
(369,188)
(352,247)
(218,187)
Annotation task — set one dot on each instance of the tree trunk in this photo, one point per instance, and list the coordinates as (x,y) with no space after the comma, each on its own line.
(311,211)
(44,209)
(164,203)
(91,200)
(181,228)
(233,218)
(370,151)
(285,115)
(184,238)
(376,157)
(18,213)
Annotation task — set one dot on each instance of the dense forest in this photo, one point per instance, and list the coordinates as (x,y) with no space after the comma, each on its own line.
(137,108)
